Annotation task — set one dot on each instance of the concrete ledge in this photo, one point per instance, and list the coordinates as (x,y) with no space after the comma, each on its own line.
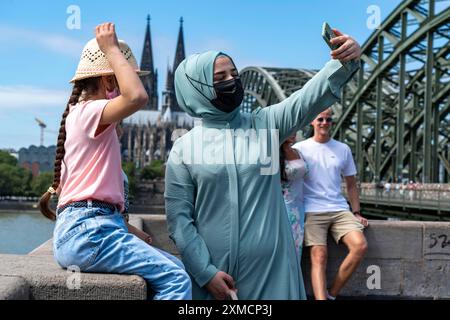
(45,249)
(48,281)
(38,276)
(14,288)
(157,209)
(156,226)
(411,260)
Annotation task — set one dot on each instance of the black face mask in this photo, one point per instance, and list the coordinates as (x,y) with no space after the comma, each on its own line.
(230,94)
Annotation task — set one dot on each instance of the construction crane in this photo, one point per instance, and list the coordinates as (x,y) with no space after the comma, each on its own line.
(43,126)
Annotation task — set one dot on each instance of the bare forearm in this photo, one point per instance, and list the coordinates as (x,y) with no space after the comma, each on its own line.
(353,198)
(133,95)
(129,83)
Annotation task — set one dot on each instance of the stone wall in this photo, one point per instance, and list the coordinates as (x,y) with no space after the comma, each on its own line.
(405,260)
(411,258)
(149,198)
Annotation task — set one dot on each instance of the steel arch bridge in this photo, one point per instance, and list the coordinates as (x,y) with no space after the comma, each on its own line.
(395,113)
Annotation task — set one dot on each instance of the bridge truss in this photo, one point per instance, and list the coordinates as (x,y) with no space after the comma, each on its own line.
(395,113)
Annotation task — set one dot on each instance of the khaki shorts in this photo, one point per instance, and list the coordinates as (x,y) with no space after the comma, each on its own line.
(339,223)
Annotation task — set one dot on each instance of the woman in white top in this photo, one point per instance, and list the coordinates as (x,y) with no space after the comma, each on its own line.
(293,169)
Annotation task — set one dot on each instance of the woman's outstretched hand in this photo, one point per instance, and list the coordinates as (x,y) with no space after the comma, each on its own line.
(106,37)
(220,285)
(349,48)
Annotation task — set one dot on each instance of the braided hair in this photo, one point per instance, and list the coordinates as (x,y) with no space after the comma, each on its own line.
(81,90)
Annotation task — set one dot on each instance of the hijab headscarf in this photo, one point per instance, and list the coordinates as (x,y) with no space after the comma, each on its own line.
(194,79)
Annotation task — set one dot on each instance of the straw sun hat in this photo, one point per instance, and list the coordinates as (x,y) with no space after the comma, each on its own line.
(93,62)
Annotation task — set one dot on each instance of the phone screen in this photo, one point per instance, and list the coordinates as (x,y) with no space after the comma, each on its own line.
(328,34)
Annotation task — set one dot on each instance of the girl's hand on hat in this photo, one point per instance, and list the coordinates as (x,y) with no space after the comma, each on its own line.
(106,37)
(132,92)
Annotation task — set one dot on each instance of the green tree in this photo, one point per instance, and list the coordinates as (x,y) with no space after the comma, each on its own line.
(14,181)
(6,158)
(132,174)
(154,170)
(40,184)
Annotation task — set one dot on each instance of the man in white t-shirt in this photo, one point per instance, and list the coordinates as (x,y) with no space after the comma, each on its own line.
(326,208)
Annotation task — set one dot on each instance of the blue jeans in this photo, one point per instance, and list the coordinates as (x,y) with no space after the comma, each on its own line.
(97,240)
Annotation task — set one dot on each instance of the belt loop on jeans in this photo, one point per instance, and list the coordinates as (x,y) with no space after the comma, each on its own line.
(89,204)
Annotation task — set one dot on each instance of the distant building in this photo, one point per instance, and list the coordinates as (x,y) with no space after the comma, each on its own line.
(147,133)
(37,159)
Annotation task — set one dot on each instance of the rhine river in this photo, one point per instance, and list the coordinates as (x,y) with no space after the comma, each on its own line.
(23,231)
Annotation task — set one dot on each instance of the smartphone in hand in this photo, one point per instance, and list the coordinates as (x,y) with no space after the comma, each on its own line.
(327,35)
(232,295)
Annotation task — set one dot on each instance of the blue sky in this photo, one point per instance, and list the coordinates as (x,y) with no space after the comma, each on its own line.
(39,54)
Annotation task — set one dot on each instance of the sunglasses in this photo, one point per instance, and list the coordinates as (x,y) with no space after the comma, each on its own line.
(327,120)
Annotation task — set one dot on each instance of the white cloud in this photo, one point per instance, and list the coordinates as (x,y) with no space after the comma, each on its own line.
(49,41)
(19,105)
(29,98)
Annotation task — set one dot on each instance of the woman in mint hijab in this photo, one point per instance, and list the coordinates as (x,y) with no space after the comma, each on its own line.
(224,204)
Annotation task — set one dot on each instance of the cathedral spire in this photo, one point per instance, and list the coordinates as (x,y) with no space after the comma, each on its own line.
(150,81)
(147,53)
(169,80)
(170,100)
(180,52)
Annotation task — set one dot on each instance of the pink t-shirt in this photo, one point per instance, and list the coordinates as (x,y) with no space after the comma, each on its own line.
(93,161)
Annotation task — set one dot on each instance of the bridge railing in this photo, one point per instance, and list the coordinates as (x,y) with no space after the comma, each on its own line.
(421,196)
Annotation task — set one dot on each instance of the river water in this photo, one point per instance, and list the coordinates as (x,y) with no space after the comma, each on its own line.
(23,231)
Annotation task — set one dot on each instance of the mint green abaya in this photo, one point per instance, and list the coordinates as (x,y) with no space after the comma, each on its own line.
(224,205)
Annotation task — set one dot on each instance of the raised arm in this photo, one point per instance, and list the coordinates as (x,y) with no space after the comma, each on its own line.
(132,93)
(317,94)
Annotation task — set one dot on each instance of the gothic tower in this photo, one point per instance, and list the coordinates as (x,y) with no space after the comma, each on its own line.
(170,99)
(151,81)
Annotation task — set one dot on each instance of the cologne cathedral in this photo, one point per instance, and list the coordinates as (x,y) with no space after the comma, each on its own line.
(147,134)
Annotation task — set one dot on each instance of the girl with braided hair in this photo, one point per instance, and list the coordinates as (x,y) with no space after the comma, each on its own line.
(90,231)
